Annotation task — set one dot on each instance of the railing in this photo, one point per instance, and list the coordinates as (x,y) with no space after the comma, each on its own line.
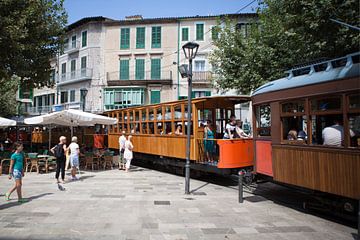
(81,74)
(39,110)
(146,76)
(71,46)
(205,76)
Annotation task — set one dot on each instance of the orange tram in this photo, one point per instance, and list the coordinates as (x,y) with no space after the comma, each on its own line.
(156,138)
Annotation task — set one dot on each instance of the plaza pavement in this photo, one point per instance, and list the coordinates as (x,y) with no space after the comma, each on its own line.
(147,204)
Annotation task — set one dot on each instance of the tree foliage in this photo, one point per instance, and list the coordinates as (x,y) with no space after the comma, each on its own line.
(287,33)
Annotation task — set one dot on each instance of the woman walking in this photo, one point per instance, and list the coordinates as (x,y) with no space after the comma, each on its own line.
(16,171)
(74,157)
(128,154)
(59,153)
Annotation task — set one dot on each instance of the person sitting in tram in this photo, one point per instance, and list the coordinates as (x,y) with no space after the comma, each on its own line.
(230,128)
(292,134)
(239,132)
(178,130)
(334,135)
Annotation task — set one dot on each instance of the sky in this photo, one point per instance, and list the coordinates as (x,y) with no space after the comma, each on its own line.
(118,9)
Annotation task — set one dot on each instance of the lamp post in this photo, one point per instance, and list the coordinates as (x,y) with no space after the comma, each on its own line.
(84,92)
(190,50)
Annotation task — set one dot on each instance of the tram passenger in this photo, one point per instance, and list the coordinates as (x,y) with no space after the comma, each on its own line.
(209,142)
(334,135)
(239,132)
(178,130)
(292,134)
(128,154)
(230,128)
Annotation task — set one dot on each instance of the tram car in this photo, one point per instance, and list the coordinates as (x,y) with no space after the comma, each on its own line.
(307,128)
(159,134)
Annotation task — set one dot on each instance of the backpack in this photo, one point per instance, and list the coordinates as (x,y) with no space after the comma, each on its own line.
(59,151)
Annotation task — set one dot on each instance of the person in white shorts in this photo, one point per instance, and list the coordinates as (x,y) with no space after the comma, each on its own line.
(74,157)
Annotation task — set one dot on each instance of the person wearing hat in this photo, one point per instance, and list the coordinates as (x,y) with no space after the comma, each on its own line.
(74,157)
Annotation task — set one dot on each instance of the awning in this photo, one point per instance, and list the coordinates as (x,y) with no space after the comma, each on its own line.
(4,122)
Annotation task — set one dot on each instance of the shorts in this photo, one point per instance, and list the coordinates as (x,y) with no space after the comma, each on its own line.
(74,161)
(17,174)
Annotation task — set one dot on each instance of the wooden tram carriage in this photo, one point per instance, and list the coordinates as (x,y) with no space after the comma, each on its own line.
(308,100)
(153,128)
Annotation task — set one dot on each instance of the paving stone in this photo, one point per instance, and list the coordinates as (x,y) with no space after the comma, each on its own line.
(218,231)
(162,202)
(284,229)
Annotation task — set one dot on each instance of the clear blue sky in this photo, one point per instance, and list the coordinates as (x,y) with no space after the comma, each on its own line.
(118,9)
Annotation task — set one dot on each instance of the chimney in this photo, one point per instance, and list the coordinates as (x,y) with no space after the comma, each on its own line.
(134,17)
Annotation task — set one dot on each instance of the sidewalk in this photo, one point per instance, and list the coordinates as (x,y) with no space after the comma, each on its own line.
(147,204)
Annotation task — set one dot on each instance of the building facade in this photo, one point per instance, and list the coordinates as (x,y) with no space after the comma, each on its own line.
(109,64)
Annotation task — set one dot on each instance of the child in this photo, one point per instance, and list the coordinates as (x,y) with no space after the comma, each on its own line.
(16,171)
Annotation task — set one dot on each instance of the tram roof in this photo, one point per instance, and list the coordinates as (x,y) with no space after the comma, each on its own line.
(212,100)
(326,71)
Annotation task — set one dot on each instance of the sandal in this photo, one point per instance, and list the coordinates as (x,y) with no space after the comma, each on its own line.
(7,196)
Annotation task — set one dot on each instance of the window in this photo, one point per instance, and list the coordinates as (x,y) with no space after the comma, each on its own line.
(73,41)
(326,104)
(83,66)
(185,34)
(124,69)
(63,71)
(294,121)
(140,37)
(66,45)
(123,97)
(125,38)
(199,66)
(155,97)
(156,37)
(214,33)
(354,125)
(52,76)
(64,97)
(73,68)
(84,39)
(140,69)
(72,95)
(263,120)
(197,94)
(354,101)
(200,32)
(155,68)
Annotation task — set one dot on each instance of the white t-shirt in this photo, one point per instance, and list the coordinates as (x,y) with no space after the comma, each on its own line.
(334,135)
(74,148)
(229,128)
(122,140)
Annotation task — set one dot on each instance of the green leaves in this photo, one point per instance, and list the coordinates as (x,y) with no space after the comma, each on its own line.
(288,32)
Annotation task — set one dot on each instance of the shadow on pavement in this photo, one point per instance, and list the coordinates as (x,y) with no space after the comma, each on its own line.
(15,203)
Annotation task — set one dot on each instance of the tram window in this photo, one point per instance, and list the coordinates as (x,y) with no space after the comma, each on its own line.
(263,120)
(151,115)
(295,128)
(131,116)
(137,117)
(184,130)
(160,128)
(168,115)
(325,104)
(168,128)
(158,114)
(354,101)
(143,115)
(177,112)
(320,122)
(354,125)
(339,63)
(355,59)
(320,67)
(293,107)
(144,128)
(186,112)
(151,128)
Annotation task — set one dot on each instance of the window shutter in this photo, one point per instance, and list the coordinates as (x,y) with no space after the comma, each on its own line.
(156,69)
(155,97)
(124,70)
(207,93)
(156,37)
(200,32)
(84,39)
(192,94)
(140,37)
(140,69)
(125,38)
(185,34)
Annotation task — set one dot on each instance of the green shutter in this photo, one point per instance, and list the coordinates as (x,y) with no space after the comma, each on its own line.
(84,39)
(124,70)
(83,62)
(140,37)
(199,32)
(207,93)
(156,37)
(125,38)
(155,69)
(20,90)
(155,97)
(140,69)
(214,33)
(185,34)
(192,94)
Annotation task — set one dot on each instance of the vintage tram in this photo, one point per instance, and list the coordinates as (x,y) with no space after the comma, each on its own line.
(310,99)
(154,133)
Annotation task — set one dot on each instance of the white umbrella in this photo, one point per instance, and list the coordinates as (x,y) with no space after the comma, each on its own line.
(4,122)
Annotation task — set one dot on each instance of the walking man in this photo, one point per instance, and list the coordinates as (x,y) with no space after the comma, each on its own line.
(122,140)
(59,153)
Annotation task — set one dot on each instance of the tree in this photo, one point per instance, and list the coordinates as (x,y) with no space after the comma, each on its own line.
(8,90)
(30,33)
(287,33)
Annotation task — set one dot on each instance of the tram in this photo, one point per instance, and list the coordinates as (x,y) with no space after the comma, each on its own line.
(154,131)
(289,118)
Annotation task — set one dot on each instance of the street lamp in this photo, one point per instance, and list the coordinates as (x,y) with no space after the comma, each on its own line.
(84,92)
(190,50)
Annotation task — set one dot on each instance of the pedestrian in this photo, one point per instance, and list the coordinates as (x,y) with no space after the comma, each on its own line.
(74,157)
(59,153)
(128,154)
(16,171)
(122,140)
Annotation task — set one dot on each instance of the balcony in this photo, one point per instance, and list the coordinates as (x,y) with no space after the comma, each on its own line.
(40,110)
(203,77)
(113,79)
(71,47)
(69,105)
(74,76)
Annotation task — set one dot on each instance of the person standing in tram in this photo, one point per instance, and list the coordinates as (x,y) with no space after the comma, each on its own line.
(230,128)
(208,142)
(239,132)
(122,140)
(128,154)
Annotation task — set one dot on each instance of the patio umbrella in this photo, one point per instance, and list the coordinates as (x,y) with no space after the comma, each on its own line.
(4,122)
